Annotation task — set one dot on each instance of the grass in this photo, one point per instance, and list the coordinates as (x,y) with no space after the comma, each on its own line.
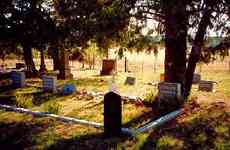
(168,142)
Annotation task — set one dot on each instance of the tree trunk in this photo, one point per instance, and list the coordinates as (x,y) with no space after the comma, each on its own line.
(83,65)
(126,65)
(56,58)
(43,69)
(196,51)
(93,61)
(28,57)
(175,41)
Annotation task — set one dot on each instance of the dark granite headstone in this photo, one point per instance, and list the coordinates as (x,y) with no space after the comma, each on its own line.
(112,114)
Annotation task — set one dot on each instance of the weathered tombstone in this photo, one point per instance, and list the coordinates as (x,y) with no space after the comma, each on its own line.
(64,72)
(20,65)
(69,89)
(49,83)
(169,97)
(169,90)
(208,86)
(196,78)
(18,79)
(130,81)
(112,114)
(109,66)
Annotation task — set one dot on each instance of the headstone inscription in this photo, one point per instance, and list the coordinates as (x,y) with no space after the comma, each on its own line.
(169,90)
(49,83)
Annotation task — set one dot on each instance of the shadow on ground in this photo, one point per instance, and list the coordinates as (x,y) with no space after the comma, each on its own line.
(89,142)
(205,129)
(19,135)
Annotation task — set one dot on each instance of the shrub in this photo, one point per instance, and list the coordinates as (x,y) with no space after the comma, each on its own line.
(52,107)
(221,144)
(150,97)
(24,101)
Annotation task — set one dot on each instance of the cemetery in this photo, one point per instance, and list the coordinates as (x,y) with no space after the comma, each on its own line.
(84,105)
(105,75)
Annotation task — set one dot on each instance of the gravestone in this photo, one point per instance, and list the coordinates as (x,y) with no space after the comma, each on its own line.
(109,66)
(169,90)
(208,86)
(49,84)
(169,97)
(20,65)
(112,114)
(130,81)
(65,72)
(18,79)
(196,78)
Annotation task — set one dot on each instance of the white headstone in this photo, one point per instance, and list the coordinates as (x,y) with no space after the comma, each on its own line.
(18,79)
(169,90)
(49,83)
(208,86)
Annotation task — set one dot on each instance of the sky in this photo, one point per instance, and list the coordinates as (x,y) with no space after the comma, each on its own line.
(151,24)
